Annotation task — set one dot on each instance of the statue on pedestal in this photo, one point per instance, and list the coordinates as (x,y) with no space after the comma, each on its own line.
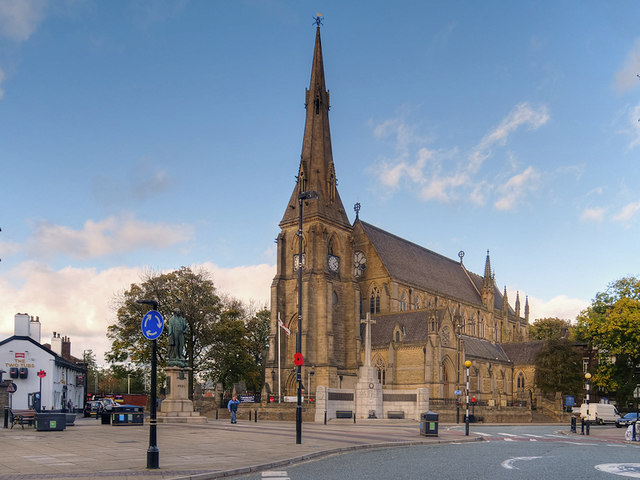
(177,328)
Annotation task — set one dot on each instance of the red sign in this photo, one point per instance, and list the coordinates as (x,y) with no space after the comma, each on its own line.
(19,355)
(11,388)
(42,374)
(298,359)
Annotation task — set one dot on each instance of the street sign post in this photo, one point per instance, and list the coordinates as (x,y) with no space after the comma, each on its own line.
(152,324)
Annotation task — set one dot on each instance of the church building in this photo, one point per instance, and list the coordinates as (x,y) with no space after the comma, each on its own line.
(429,313)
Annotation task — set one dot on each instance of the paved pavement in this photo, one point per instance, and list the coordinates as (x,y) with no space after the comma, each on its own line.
(212,450)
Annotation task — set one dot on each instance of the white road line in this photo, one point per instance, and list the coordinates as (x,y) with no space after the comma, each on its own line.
(622,469)
(282,474)
(508,464)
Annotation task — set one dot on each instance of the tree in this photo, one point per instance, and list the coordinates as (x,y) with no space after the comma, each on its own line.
(192,292)
(611,325)
(559,367)
(549,328)
(237,352)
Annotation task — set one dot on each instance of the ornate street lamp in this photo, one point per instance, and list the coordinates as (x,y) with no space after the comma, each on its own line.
(466,420)
(587,376)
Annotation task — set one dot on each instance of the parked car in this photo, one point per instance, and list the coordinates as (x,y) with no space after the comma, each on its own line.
(599,413)
(627,420)
(98,406)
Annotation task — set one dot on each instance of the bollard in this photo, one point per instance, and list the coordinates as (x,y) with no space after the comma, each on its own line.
(588,426)
(6,417)
(216,413)
(325,417)
(249,415)
(573,424)
(255,416)
(354,417)
(633,431)
(582,427)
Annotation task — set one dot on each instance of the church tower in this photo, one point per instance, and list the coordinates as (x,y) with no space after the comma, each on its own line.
(330,301)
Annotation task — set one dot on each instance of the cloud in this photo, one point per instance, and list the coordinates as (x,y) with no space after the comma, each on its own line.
(515,188)
(78,302)
(522,114)
(627,212)
(440,174)
(595,214)
(625,78)
(20,18)
(105,237)
(560,306)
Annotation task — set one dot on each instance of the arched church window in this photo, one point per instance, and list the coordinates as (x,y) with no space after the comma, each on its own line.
(381,368)
(433,324)
(374,301)
(520,381)
(403,302)
(335,298)
(397,336)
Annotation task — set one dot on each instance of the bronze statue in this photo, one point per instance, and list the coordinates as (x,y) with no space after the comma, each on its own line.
(177,328)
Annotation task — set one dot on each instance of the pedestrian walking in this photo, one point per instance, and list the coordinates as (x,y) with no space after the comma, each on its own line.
(232,406)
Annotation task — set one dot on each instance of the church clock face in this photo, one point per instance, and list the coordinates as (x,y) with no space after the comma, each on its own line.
(334,263)
(359,263)
(296,261)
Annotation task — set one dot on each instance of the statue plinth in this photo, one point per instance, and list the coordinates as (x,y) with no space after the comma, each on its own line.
(176,407)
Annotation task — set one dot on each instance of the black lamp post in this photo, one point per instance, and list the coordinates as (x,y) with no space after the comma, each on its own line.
(587,376)
(466,420)
(153,454)
(309,195)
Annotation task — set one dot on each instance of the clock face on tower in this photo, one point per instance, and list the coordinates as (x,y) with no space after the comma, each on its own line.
(296,261)
(359,263)
(334,263)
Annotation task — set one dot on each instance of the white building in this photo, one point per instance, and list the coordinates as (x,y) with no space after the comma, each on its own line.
(23,357)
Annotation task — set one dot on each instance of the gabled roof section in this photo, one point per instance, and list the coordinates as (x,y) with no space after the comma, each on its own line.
(523,353)
(483,349)
(416,265)
(415,323)
(58,360)
(317,171)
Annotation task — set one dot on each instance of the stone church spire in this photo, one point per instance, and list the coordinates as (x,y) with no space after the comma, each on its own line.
(488,292)
(316,170)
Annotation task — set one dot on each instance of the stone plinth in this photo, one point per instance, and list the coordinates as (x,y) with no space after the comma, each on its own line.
(368,394)
(176,407)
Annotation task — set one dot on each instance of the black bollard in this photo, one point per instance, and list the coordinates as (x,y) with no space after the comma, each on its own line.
(249,415)
(216,413)
(6,417)
(582,427)
(255,416)
(588,427)
(325,417)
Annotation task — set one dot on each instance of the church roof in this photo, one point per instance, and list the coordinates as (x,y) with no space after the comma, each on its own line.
(427,270)
(415,325)
(483,349)
(522,353)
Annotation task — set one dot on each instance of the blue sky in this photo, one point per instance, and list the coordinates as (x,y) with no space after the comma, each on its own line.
(141,136)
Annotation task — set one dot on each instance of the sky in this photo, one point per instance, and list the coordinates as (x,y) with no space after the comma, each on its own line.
(142,136)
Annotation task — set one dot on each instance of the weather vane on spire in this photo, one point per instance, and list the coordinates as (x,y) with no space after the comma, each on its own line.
(317,20)
(356,208)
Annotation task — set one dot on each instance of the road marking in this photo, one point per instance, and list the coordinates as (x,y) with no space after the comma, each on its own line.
(282,474)
(622,469)
(508,464)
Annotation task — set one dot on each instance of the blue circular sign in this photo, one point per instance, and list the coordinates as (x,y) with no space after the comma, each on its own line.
(152,324)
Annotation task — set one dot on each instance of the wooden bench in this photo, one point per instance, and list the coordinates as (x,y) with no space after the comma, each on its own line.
(344,413)
(20,417)
(395,414)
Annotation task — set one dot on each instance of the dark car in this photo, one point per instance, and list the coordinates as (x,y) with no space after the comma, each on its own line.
(628,419)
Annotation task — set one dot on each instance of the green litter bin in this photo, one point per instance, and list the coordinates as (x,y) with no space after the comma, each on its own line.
(50,422)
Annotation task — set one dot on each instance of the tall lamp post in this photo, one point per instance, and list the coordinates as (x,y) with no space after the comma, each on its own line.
(309,195)
(466,419)
(587,376)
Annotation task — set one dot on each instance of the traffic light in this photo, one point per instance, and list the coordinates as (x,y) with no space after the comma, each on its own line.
(473,400)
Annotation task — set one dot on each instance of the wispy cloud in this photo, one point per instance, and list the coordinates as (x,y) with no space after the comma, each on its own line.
(515,188)
(625,78)
(443,175)
(595,214)
(105,237)
(627,212)
(20,18)
(560,306)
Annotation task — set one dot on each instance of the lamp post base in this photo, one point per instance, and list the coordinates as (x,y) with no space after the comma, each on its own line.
(153,457)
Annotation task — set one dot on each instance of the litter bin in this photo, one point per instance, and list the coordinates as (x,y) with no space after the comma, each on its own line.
(47,422)
(429,424)
(127,415)
(105,418)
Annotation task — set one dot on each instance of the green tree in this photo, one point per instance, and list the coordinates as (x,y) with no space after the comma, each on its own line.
(550,328)
(192,292)
(611,325)
(559,367)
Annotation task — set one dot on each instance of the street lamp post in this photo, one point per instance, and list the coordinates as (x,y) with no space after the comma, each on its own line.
(309,195)
(587,376)
(466,420)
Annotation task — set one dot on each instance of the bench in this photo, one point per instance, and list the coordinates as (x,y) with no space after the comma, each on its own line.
(344,413)
(395,414)
(20,417)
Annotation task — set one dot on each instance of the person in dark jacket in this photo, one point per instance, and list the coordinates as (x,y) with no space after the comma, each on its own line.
(232,406)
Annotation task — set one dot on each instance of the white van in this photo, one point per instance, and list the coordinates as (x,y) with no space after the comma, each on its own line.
(600,413)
